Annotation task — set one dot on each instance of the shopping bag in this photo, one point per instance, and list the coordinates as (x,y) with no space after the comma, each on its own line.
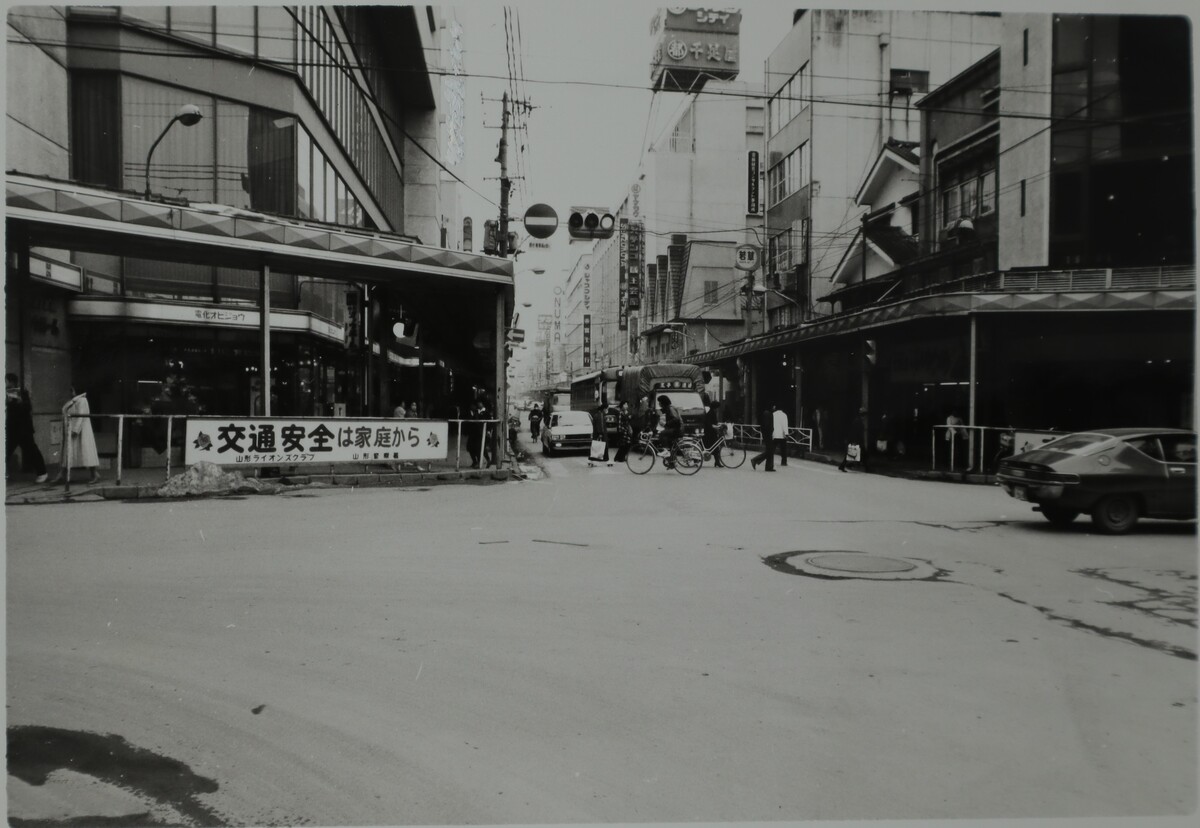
(853,452)
(597,451)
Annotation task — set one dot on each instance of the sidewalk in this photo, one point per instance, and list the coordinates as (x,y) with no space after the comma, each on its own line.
(142,483)
(911,468)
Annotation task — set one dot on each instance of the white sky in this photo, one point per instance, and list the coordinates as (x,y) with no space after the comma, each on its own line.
(583,143)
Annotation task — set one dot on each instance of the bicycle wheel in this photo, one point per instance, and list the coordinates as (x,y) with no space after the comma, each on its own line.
(731,456)
(688,455)
(640,457)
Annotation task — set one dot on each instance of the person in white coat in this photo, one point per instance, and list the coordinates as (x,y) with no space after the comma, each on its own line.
(78,429)
(779,433)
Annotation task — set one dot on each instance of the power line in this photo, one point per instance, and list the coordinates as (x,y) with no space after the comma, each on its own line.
(762,97)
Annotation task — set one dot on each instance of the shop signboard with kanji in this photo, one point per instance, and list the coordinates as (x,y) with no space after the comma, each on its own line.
(247,441)
(692,46)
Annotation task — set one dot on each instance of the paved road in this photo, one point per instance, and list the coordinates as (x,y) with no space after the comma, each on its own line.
(597,647)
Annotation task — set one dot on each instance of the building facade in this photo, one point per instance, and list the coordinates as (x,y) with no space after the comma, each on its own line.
(978,290)
(221,193)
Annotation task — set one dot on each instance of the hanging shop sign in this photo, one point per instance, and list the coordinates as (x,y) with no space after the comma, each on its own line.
(247,441)
(587,340)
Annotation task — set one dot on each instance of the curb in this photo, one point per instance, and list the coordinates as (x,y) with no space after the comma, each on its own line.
(299,482)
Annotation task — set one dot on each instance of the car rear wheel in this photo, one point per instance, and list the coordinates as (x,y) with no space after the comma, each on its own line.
(1115,514)
(1058,515)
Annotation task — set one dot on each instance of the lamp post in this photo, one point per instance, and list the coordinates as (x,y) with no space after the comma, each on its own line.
(188,115)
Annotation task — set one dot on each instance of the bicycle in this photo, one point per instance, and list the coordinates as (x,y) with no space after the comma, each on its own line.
(686,455)
(731,457)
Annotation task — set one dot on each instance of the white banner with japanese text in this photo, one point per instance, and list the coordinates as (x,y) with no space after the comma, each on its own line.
(293,440)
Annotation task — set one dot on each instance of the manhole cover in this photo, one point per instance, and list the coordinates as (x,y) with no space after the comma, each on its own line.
(858,562)
(845,564)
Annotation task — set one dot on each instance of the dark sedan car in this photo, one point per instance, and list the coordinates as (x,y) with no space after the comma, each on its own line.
(1116,475)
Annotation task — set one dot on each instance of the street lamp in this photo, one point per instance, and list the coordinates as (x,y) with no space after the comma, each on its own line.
(188,115)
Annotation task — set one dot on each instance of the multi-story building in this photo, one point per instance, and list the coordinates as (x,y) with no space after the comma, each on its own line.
(688,207)
(202,196)
(1037,272)
(577,326)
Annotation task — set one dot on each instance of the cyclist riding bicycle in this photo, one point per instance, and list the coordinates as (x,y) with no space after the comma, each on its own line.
(672,425)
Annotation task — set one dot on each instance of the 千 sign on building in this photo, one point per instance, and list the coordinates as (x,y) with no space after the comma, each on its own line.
(693,46)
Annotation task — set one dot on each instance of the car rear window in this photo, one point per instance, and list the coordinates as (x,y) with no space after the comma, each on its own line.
(1076,443)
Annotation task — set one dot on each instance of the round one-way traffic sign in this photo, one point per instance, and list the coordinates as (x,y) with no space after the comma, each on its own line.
(541,221)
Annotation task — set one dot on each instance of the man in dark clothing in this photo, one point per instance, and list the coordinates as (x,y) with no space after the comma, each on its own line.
(672,422)
(18,428)
(535,421)
(767,424)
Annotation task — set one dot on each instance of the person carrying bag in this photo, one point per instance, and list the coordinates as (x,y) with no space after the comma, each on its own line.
(599,450)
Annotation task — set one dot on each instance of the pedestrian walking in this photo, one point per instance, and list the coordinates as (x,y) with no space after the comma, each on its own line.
(624,438)
(77,427)
(856,442)
(767,423)
(711,421)
(779,433)
(18,429)
(599,436)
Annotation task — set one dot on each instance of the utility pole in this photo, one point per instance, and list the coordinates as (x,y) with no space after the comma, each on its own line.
(505,183)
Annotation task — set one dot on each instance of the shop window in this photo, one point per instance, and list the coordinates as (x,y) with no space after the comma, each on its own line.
(181,281)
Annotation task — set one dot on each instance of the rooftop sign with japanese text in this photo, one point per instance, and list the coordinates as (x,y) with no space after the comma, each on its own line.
(694,46)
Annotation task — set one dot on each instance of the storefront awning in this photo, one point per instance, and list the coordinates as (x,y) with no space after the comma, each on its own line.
(1166,296)
(70,216)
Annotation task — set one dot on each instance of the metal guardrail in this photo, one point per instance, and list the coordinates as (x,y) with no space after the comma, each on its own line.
(751,435)
(984,445)
(171,418)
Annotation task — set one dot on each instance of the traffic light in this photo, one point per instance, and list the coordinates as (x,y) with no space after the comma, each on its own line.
(589,223)
(870,352)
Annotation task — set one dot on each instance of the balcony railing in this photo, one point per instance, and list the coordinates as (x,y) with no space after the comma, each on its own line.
(1066,281)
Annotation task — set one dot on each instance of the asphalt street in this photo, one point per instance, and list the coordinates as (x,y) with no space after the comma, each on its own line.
(596,646)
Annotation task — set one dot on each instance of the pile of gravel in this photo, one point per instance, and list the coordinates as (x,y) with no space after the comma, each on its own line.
(209,478)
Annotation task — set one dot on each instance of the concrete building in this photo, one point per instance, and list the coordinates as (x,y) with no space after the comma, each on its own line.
(1039,275)
(691,199)
(840,85)
(199,197)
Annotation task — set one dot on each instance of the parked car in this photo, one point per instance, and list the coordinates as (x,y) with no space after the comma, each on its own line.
(567,431)
(1116,475)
